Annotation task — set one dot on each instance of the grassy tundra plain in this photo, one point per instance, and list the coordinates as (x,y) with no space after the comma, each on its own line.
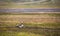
(44,20)
(37,24)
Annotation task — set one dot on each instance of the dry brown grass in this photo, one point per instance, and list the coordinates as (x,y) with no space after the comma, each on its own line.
(29,18)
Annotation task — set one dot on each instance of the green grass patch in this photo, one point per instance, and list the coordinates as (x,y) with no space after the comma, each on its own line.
(11,33)
(44,25)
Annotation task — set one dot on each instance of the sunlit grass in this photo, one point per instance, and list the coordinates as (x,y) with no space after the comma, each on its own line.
(11,33)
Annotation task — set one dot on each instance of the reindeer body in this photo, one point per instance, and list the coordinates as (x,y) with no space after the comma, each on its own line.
(20,25)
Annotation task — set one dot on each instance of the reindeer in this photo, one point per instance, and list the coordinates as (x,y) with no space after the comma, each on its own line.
(20,25)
